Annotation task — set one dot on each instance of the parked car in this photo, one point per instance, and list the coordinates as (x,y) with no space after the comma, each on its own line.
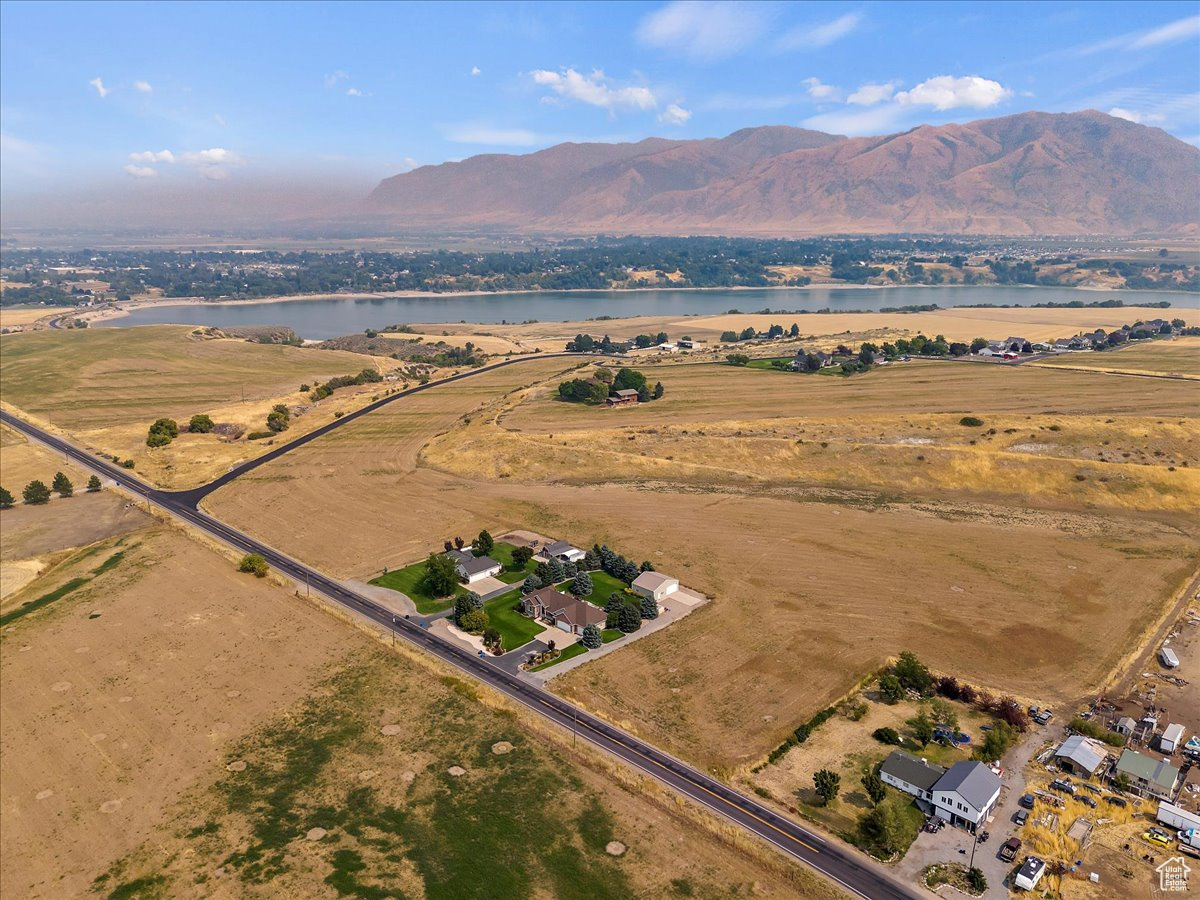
(1088,800)
(1061,784)
(1092,788)
(1010,848)
(1022,817)
(1116,801)
(1027,801)
(1155,836)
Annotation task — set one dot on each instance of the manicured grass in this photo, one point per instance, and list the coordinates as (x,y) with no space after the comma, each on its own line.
(603,585)
(409,581)
(502,553)
(765,363)
(611,634)
(515,629)
(571,652)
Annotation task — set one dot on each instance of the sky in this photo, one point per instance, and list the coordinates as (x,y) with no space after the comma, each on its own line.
(162,100)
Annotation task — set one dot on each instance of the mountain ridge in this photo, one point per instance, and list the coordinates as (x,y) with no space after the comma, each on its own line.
(1028,173)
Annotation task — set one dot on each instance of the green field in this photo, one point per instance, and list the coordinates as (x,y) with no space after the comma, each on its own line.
(410,582)
(515,629)
(502,553)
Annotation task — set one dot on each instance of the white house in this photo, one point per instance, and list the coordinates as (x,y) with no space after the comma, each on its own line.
(472,568)
(906,773)
(1171,738)
(966,794)
(655,585)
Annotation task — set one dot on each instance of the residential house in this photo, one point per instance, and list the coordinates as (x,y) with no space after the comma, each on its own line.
(626,397)
(1080,755)
(994,348)
(564,611)
(1015,344)
(801,360)
(689,343)
(655,585)
(1148,777)
(966,794)
(472,568)
(563,552)
(1171,738)
(911,775)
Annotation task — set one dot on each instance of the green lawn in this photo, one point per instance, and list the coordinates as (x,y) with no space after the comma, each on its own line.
(409,581)
(571,652)
(502,553)
(611,634)
(765,363)
(515,629)
(603,585)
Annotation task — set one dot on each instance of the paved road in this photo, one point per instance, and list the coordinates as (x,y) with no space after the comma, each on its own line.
(843,865)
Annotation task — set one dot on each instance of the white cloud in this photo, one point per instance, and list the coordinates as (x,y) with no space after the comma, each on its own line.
(1179,30)
(100,88)
(473,133)
(949,92)
(354,92)
(475,70)
(674,114)
(1127,114)
(704,29)
(816,36)
(143,87)
(332,79)
(820,91)
(151,156)
(213,156)
(594,90)
(882,119)
(409,163)
(140,171)
(870,94)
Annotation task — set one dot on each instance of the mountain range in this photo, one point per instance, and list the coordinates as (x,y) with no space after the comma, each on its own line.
(1033,173)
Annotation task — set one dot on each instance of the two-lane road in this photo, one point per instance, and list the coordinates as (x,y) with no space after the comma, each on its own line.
(853,872)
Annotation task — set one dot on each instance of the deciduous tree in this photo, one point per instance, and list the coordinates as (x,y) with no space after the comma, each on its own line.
(441,576)
(828,785)
(255,565)
(200,424)
(874,787)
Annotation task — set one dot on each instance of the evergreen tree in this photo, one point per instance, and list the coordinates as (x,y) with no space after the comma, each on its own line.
(93,484)
(6,499)
(36,493)
(591,637)
(62,485)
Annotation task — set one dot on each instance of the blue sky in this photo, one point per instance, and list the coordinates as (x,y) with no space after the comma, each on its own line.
(123,94)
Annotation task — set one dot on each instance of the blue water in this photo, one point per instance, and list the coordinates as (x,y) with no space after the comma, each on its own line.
(326,318)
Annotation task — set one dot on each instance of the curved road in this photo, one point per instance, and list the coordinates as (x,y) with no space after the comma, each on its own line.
(841,864)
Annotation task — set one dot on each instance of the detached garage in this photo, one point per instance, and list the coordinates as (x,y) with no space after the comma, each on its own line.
(655,585)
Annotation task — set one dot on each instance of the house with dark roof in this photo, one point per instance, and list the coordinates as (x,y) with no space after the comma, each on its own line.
(564,611)
(472,568)
(626,397)
(563,551)
(907,773)
(966,794)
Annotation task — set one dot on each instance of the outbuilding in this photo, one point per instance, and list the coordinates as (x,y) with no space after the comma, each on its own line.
(1125,725)
(1167,657)
(655,585)
(1080,755)
(1172,738)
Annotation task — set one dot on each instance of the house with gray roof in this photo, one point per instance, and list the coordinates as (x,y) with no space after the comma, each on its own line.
(966,794)
(472,568)
(563,551)
(1148,777)
(907,773)
(1080,755)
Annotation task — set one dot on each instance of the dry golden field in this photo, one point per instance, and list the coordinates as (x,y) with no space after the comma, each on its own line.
(816,581)
(13,317)
(957,324)
(105,386)
(161,720)
(1180,356)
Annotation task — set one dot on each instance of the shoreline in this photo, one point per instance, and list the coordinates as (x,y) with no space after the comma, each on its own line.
(121,309)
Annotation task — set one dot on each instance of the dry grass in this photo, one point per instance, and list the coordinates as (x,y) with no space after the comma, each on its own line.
(1180,356)
(11,317)
(490,344)
(957,324)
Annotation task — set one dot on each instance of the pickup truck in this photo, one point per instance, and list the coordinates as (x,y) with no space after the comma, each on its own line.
(1010,848)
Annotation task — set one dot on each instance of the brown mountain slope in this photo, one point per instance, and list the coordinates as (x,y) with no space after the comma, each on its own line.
(1032,173)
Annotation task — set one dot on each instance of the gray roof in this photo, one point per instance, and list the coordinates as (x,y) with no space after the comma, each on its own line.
(473,565)
(626,392)
(559,546)
(917,772)
(973,781)
(1083,751)
(460,555)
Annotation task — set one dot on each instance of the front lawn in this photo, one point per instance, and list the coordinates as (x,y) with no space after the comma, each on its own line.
(515,629)
(603,585)
(571,652)
(611,634)
(502,553)
(410,581)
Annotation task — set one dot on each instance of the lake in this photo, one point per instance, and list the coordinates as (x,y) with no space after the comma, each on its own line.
(324,318)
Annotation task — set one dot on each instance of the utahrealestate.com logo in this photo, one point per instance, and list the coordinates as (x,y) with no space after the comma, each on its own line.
(1173,874)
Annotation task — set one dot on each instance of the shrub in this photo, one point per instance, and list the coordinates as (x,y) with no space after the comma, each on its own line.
(970,421)
(255,565)
(1093,730)
(886,736)
(200,424)
(474,622)
(738,359)
(259,435)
